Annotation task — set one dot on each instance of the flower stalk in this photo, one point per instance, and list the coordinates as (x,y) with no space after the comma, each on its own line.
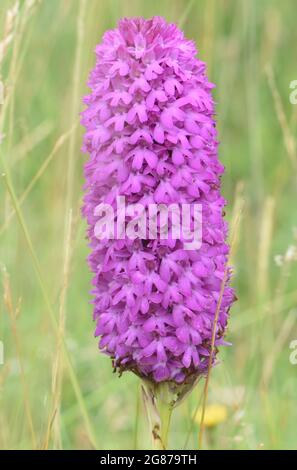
(159,403)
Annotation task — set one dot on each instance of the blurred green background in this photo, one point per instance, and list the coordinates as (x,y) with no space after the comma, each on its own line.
(52,400)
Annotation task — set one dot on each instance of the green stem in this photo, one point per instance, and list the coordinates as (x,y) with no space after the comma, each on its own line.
(158,401)
(165,409)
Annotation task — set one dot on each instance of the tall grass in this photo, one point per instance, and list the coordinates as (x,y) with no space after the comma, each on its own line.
(56,391)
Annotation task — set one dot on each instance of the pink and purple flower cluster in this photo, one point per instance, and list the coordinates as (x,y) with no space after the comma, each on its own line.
(151,137)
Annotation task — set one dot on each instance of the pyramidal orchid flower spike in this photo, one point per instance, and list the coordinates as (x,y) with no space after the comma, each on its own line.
(151,137)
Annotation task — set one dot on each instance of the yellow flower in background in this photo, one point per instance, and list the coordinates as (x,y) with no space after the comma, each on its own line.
(214,414)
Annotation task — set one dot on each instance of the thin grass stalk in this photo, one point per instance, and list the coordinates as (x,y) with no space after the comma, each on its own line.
(54,423)
(289,140)
(159,406)
(13,314)
(186,13)
(75,102)
(39,276)
(233,230)
(59,143)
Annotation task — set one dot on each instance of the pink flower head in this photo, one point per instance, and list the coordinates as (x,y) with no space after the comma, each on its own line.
(151,137)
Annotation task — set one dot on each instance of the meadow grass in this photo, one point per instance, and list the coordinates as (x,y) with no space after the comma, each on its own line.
(56,391)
